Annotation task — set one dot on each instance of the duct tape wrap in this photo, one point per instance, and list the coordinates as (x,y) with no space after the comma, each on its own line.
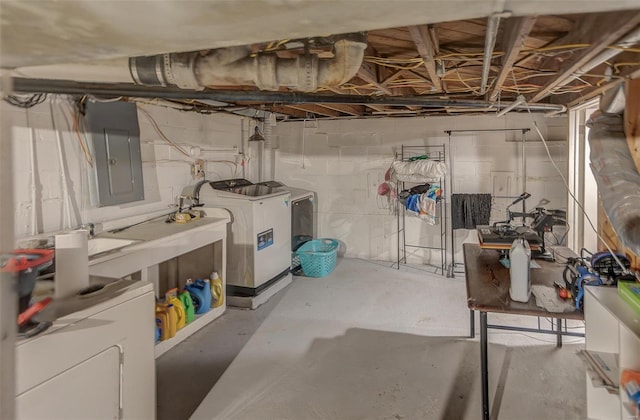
(617,177)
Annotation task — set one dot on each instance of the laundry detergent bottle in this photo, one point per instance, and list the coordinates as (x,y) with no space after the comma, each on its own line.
(200,292)
(519,260)
(217,293)
(187,303)
(180,313)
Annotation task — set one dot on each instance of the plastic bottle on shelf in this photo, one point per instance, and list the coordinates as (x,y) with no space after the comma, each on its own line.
(217,291)
(173,319)
(172,297)
(180,312)
(166,318)
(187,303)
(162,319)
(200,291)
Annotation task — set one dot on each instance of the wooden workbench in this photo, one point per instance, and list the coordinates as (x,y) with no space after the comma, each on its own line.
(488,291)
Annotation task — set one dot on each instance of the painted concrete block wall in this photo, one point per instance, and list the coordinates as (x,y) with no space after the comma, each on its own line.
(216,138)
(345,160)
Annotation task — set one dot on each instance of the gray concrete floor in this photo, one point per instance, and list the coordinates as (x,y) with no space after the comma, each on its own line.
(367,342)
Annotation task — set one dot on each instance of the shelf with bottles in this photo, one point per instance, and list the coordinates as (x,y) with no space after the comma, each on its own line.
(195,279)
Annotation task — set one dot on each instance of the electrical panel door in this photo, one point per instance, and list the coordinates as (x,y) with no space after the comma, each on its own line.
(116,146)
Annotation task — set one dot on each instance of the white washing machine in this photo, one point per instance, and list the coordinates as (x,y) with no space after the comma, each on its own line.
(95,362)
(259,237)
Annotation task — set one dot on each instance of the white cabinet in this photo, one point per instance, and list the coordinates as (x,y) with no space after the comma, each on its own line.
(95,362)
(612,326)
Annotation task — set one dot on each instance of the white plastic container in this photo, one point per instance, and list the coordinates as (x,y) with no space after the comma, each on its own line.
(519,260)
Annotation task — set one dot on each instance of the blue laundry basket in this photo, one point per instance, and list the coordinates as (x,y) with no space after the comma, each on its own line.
(318,257)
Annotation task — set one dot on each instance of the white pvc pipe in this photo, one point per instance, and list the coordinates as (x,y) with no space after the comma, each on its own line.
(32,155)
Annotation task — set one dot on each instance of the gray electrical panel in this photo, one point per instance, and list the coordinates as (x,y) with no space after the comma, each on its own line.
(115,135)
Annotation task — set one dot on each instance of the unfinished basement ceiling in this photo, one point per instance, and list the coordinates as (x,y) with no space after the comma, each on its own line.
(436,65)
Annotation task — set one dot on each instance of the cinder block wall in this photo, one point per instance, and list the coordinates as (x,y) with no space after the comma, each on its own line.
(166,172)
(345,160)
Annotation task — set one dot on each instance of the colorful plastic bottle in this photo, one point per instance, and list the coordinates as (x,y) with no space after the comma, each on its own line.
(168,319)
(187,303)
(162,322)
(180,312)
(200,291)
(217,292)
(173,319)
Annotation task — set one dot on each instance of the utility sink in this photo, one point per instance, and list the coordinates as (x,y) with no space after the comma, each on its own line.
(100,245)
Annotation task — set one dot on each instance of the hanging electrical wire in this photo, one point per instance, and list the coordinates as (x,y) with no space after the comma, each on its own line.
(75,113)
(26,101)
(162,135)
(566,184)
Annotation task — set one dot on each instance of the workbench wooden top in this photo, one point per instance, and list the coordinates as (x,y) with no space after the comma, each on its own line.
(488,284)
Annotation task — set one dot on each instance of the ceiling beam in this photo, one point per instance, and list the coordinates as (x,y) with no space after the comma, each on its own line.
(426,49)
(316,109)
(287,111)
(392,77)
(630,73)
(516,31)
(377,108)
(355,110)
(367,72)
(110,90)
(600,31)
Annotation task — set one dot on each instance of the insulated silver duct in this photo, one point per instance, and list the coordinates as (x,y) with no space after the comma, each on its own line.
(236,66)
(617,177)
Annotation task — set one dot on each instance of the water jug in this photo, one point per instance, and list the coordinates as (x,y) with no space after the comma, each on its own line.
(200,292)
(519,260)
(187,303)
(217,293)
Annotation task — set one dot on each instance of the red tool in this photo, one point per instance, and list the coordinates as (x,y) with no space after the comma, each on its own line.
(26,264)
(26,316)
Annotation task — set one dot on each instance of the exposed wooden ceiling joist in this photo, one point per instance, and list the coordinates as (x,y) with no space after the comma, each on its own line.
(630,73)
(392,77)
(316,109)
(516,31)
(599,31)
(367,73)
(426,49)
(288,111)
(355,110)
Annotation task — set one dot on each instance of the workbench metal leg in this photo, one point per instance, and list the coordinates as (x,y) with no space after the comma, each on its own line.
(483,365)
(559,333)
(472,323)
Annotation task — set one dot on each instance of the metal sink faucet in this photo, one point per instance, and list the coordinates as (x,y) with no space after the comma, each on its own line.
(91,227)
